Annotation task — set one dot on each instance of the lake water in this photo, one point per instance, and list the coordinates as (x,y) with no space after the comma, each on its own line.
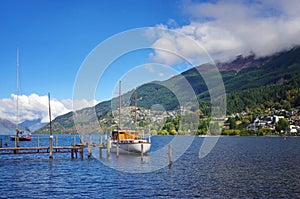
(237,167)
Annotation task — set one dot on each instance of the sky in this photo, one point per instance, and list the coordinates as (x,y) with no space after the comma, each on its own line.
(56,37)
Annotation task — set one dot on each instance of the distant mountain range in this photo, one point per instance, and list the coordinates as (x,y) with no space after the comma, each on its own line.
(249,82)
(33,125)
(8,127)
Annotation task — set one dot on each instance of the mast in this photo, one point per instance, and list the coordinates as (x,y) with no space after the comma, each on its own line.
(135,110)
(120,104)
(17,100)
(17,87)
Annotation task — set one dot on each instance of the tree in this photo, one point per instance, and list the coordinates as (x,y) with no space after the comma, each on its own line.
(232,123)
(163,132)
(282,125)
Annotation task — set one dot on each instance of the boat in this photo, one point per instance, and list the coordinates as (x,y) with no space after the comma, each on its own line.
(19,134)
(129,141)
(21,137)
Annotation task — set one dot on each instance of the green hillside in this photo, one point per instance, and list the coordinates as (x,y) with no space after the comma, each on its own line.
(268,82)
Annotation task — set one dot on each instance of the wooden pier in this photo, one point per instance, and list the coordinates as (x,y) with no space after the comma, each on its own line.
(73,149)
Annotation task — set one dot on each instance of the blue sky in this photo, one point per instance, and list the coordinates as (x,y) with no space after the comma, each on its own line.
(56,36)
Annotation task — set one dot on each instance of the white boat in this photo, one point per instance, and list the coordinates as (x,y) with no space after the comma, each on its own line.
(130,142)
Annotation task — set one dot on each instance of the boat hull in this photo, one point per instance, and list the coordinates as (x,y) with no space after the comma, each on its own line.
(22,138)
(131,147)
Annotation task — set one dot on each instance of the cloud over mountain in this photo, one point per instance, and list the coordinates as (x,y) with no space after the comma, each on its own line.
(33,107)
(229,28)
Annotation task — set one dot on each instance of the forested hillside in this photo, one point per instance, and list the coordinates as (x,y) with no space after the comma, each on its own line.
(269,82)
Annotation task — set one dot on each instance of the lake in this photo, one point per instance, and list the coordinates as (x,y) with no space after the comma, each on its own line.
(237,167)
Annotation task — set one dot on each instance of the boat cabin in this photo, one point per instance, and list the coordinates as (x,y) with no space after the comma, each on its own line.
(124,135)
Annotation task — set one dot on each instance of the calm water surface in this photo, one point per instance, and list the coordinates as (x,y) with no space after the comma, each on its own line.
(237,167)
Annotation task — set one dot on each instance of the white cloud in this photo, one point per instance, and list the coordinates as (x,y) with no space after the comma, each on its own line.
(36,107)
(78,104)
(228,28)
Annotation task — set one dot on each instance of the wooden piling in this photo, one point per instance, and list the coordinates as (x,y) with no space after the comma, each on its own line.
(74,143)
(50,130)
(6,141)
(108,146)
(18,141)
(142,152)
(170,155)
(72,153)
(81,139)
(81,151)
(118,149)
(51,147)
(89,147)
(0,142)
(38,143)
(100,147)
(56,140)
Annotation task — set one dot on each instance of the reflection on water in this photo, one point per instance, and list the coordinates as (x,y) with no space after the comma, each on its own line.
(251,167)
(158,157)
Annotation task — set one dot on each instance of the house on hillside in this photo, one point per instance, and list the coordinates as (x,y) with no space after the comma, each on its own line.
(294,130)
(264,122)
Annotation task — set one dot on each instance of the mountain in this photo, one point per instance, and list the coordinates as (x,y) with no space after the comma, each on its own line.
(249,82)
(7,127)
(32,125)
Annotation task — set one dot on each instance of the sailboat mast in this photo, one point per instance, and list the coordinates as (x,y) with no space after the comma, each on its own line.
(135,110)
(120,104)
(17,89)
(17,100)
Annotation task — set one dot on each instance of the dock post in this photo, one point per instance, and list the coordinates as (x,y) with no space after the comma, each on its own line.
(81,151)
(89,147)
(118,147)
(108,146)
(6,141)
(170,156)
(56,139)
(72,153)
(100,147)
(81,138)
(50,130)
(100,140)
(0,142)
(142,151)
(56,142)
(74,143)
(51,147)
(38,143)
(18,141)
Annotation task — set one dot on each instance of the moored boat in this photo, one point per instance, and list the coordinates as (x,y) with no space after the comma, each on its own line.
(21,138)
(130,142)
